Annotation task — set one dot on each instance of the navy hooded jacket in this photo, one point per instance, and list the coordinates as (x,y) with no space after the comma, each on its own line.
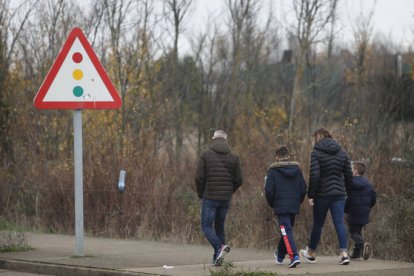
(360,200)
(285,187)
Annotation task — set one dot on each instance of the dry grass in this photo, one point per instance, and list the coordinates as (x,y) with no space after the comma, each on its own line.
(160,202)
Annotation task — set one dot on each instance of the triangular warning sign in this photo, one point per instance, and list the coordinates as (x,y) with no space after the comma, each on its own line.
(77,79)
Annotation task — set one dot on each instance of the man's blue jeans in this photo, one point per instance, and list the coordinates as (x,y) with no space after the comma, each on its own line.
(336,205)
(213,215)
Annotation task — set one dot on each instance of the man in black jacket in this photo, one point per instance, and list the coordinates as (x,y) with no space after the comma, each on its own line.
(218,176)
(285,190)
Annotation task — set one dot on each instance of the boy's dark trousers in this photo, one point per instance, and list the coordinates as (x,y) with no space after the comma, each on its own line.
(356,234)
(287,243)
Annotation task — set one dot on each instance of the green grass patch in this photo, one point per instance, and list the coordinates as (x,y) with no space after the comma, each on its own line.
(7,226)
(4,224)
(12,238)
(15,248)
(80,257)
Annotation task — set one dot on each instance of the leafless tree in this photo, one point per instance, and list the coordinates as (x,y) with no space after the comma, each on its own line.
(204,48)
(115,14)
(12,22)
(312,16)
(38,46)
(332,28)
(242,27)
(175,12)
(363,29)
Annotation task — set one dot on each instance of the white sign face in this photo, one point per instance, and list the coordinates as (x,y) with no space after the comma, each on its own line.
(77,82)
(77,79)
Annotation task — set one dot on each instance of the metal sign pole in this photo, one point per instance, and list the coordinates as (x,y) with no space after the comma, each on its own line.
(63,89)
(77,132)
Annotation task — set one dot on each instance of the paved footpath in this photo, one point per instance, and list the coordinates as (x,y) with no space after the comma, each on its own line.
(54,255)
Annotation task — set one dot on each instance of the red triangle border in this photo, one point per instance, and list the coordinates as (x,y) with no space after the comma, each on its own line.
(38,100)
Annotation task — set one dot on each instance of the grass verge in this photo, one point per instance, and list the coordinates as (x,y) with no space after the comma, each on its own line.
(228,269)
(12,238)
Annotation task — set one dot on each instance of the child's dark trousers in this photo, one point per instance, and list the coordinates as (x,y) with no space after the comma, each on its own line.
(355,231)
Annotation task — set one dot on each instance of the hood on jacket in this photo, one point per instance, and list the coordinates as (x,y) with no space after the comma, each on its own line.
(288,169)
(360,182)
(328,145)
(220,145)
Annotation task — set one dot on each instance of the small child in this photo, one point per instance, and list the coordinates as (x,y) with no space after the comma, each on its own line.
(285,189)
(361,198)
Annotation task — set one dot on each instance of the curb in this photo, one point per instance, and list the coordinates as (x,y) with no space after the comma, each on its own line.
(62,270)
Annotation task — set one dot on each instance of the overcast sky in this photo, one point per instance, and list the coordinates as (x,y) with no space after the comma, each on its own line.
(393,19)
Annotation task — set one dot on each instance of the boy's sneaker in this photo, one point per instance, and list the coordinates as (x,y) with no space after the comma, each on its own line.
(366,251)
(344,260)
(278,260)
(294,262)
(356,255)
(223,252)
(304,254)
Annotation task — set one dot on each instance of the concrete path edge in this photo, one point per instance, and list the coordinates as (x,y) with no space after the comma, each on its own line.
(58,269)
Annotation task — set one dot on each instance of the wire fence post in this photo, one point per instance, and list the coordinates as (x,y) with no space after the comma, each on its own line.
(268,232)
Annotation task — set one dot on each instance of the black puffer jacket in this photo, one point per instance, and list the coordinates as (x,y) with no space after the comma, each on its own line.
(218,173)
(330,170)
(285,187)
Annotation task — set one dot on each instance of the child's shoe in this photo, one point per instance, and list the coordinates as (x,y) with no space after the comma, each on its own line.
(305,254)
(356,254)
(278,259)
(366,251)
(294,262)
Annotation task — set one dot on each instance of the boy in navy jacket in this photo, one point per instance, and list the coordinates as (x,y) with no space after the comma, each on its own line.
(285,189)
(360,200)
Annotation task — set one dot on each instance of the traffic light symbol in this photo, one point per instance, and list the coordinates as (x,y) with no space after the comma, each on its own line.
(77,74)
(77,80)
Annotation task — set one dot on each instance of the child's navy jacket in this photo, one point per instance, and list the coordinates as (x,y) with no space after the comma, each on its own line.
(285,187)
(360,200)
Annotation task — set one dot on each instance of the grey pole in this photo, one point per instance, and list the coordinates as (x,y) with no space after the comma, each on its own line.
(77,133)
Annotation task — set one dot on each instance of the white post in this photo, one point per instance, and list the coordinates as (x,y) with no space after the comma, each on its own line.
(77,133)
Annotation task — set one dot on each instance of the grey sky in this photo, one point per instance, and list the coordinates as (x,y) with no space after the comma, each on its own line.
(392,19)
